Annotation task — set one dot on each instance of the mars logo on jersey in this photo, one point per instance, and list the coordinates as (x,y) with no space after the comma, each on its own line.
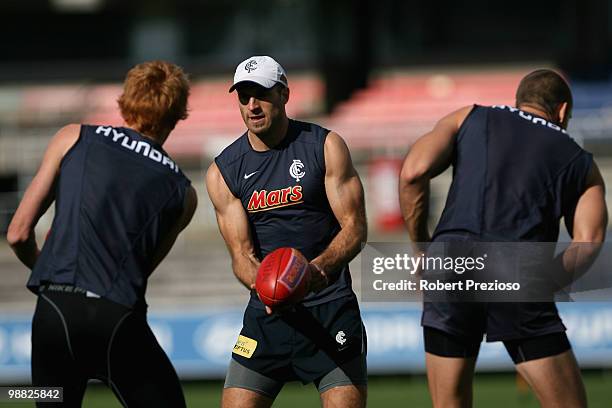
(265,200)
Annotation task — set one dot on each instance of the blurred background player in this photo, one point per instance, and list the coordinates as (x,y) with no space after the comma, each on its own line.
(120,203)
(534,174)
(290,183)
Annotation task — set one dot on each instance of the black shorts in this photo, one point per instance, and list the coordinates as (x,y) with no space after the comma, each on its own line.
(76,338)
(499,321)
(444,344)
(304,344)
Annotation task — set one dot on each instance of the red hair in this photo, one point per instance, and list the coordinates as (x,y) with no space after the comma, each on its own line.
(154,97)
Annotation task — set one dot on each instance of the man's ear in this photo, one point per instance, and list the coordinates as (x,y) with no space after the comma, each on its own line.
(563,113)
(285,95)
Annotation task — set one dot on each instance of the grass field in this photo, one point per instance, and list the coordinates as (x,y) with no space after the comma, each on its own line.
(490,390)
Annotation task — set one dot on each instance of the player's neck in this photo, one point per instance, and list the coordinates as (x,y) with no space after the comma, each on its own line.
(270,139)
(535,111)
(160,138)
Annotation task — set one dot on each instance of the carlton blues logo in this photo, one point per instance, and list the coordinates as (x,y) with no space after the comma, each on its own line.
(250,66)
(296,170)
(264,200)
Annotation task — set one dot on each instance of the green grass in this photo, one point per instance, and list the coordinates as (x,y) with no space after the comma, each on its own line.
(490,390)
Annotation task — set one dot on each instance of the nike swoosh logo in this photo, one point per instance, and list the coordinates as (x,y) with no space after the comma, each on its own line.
(246,176)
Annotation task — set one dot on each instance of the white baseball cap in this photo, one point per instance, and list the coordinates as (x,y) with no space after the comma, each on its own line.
(262,70)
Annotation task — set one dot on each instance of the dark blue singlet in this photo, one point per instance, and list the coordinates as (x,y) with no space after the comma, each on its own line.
(514,176)
(283,193)
(117,196)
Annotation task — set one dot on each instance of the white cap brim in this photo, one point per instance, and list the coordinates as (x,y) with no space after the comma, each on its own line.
(265,82)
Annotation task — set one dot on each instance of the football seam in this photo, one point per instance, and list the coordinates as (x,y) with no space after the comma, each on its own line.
(287,266)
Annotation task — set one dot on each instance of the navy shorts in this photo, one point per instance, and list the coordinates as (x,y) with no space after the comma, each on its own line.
(304,344)
(499,321)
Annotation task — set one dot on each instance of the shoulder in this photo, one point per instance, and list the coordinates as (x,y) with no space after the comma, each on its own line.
(334,141)
(337,154)
(218,186)
(64,139)
(216,178)
(308,132)
(578,156)
(213,175)
(232,153)
(68,133)
(450,124)
(459,116)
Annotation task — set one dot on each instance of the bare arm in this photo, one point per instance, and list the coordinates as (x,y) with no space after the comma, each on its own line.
(189,207)
(427,158)
(345,196)
(588,226)
(38,197)
(590,218)
(234,227)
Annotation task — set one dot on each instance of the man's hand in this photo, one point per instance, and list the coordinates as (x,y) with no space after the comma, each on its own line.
(318,278)
(268,308)
(317,282)
(277,309)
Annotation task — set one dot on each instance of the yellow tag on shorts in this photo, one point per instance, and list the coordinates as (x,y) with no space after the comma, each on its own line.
(245,346)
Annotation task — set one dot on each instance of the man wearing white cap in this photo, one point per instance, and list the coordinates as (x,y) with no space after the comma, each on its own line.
(286,183)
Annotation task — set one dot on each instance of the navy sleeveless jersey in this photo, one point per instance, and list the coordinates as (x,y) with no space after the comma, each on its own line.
(117,195)
(514,176)
(283,193)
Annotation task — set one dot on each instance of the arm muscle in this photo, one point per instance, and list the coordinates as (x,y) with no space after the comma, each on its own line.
(234,227)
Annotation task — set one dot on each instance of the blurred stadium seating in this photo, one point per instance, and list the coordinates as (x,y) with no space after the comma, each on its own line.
(391,112)
(396,108)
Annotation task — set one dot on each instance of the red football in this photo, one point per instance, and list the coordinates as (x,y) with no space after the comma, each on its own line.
(283,277)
